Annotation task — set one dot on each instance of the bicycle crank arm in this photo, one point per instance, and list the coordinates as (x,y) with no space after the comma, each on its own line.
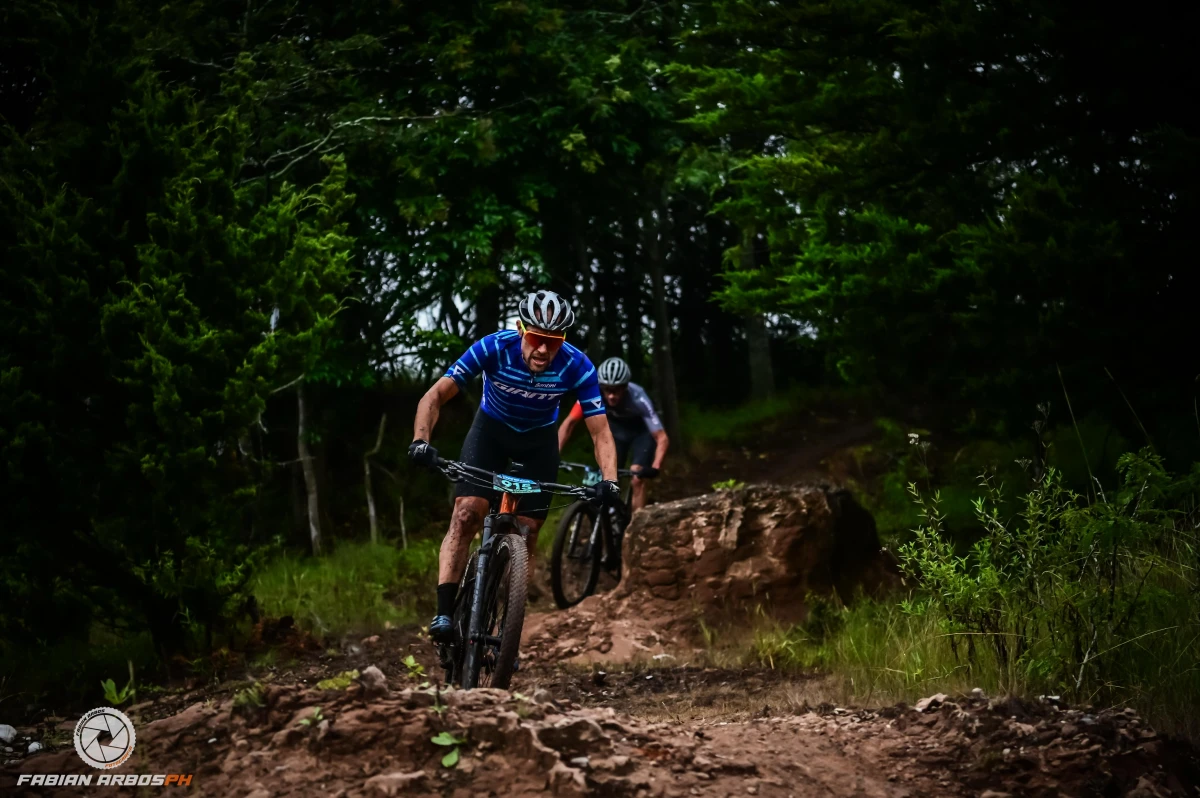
(488,640)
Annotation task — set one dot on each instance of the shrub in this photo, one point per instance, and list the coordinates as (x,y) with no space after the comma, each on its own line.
(1095,599)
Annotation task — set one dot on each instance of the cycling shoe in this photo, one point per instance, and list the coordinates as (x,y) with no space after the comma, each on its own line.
(441,629)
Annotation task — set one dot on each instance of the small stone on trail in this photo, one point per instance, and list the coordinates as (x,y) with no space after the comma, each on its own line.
(373,682)
(7,733)
(932,702)
(370,641)
(978,693)
(393,783)
(580,762)
(542,696)
(34,747)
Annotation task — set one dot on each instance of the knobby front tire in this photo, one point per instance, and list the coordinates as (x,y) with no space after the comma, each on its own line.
(505,590)
(575,558)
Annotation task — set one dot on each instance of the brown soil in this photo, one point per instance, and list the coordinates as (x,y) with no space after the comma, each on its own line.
(571,733)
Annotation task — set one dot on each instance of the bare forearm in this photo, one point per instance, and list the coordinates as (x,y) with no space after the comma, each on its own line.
(427,415)
(565,430)
(606,453)
(430,407)
(661,443)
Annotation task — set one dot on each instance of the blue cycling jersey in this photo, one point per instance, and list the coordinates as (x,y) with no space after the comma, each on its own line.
(514,395)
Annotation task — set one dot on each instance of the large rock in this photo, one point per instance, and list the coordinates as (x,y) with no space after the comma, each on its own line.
(716,557)
(763,543)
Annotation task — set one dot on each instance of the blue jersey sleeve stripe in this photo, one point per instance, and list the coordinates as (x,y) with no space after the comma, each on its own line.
(582,379)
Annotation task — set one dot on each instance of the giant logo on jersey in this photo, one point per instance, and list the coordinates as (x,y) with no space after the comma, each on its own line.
(524,393)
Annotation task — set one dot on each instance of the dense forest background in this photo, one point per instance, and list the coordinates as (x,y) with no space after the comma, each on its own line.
(235,236)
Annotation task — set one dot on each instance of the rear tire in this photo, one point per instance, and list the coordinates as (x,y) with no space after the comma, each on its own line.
(503,615)
(574,560)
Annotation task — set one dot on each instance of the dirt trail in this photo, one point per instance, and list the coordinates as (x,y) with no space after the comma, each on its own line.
(637,732)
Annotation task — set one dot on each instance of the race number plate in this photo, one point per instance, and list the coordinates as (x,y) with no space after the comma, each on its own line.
(507,484)
(591,478)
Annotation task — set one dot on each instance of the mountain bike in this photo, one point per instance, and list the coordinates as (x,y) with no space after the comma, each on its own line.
(489,610)
(588,537)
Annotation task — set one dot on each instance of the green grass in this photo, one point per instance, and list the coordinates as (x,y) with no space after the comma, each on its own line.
(359,587)
(877,654)
(721,425)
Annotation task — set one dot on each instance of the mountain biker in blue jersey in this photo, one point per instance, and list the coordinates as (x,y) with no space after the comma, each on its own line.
(525,374)
(634,424)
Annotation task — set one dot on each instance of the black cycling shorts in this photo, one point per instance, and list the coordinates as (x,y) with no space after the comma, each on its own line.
(632,435)
(491,444)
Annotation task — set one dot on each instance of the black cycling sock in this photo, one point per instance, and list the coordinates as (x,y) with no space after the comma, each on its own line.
(446,594)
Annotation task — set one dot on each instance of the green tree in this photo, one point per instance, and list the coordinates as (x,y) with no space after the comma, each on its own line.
(963,197)
(151,300)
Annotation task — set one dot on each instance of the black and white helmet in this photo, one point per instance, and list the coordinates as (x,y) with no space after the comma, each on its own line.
(547,311)
(613,371)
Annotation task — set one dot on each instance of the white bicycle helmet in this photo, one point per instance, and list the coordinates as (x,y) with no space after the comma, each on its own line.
(547,311)
(613,371)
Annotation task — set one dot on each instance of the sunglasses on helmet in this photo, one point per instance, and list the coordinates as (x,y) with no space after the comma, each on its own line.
(536,339)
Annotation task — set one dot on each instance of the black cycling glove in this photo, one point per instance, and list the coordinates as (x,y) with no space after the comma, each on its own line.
(647,472)
(421,453)
(606,492)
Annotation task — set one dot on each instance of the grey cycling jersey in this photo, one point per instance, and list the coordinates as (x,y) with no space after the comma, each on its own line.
(635,404)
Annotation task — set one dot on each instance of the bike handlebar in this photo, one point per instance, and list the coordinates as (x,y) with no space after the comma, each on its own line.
(447,467)
(621,472)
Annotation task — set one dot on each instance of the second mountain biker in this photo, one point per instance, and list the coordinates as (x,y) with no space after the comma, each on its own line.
(525,374)
(635,425)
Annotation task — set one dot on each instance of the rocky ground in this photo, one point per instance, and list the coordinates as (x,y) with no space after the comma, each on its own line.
(617,697)
(571,732)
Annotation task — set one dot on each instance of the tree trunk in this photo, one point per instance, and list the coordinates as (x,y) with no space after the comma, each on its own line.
(403,527)
(367,479)
(450,309)
(587,297)
(310,473)
(487,303)
(758,339)
(633,303)
(664,366)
